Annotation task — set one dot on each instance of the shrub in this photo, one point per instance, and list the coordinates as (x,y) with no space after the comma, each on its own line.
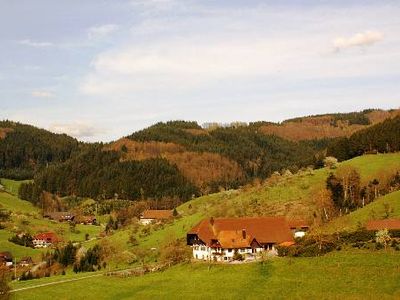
(360,235)
(238,256)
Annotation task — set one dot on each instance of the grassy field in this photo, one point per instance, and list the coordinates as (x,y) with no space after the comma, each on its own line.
(12,186)
(339,275)
(16,205)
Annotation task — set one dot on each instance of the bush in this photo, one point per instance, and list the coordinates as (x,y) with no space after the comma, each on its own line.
(308,247)
(394,233)
(238,256)
(357,236)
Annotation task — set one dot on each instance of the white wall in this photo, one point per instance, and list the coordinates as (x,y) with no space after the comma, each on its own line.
(202,252)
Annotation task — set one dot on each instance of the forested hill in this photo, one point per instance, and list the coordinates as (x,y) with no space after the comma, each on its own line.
(382,137)
(24,149)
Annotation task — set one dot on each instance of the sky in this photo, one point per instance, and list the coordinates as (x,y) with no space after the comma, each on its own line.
(101,69)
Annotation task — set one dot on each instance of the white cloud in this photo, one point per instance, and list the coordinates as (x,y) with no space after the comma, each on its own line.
(76,129)
(362,39)
(42,94)
(35,44)
(98,32)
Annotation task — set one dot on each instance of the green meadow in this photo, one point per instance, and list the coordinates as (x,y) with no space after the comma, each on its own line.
(339,275)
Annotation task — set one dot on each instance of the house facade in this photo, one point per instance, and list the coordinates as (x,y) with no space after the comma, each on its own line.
(6,259)
(60,216)
(222,239)
(156,215)
(45,239)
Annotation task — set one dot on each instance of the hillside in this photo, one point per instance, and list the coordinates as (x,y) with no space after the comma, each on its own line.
(204,169)
(327,125)
(258,155)
(24,149)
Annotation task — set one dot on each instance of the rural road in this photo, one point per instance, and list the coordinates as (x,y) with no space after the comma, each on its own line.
(55,282)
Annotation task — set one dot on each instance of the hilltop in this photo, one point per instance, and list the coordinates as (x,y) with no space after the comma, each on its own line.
(328,125)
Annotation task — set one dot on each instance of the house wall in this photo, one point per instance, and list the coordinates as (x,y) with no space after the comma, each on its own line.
(40,243)
(299,234)
(146,221)
(202,252)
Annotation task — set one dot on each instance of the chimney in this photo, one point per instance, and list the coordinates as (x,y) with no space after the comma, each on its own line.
(244,233)
(212,221)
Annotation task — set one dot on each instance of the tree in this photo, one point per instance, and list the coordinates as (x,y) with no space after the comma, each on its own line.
(174,251)
(330,162)
(175,212)
(4,287)
(383,237)
(133,240)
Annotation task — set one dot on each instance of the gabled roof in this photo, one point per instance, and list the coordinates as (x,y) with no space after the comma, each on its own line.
(263,229)
(158,214)
(47,236)
(383,224)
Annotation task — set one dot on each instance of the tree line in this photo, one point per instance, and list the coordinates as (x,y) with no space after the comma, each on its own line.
(383,137)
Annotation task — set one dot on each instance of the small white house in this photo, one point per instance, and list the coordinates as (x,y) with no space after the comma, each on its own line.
(154,216)
(44,240)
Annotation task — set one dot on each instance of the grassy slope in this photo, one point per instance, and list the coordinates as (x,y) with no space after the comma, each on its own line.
(373,275)
(12,186)
(374,210)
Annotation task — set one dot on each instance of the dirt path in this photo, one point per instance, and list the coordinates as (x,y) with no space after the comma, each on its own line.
(55,282)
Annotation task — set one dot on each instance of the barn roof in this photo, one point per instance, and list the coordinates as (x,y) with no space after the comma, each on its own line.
(383,224)
(157,214)
(263,229)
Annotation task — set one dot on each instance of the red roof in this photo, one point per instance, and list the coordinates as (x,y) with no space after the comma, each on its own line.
(263,229)
(383,224)
(157,214)
(47,236)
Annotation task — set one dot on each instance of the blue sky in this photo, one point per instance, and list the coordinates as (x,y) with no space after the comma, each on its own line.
(99,70)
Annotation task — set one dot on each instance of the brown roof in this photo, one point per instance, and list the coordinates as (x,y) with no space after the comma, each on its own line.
(383,224)
(263,229)
(59,215)
(157,214)
(234,239)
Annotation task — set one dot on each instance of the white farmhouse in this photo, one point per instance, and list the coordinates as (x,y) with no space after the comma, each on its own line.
(155,215)
(220,239)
